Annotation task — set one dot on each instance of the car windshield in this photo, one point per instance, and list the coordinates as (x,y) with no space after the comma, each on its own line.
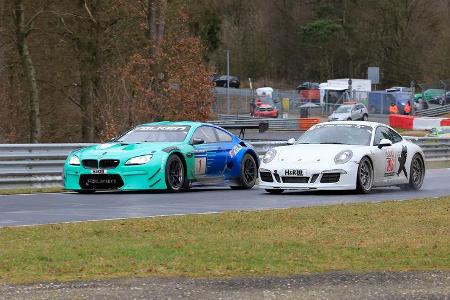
(155,133)
(343,109)
(346,134)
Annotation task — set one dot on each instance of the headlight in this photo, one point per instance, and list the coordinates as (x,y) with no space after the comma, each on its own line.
(269,156)
(74,161)
(139,160)
(343,157)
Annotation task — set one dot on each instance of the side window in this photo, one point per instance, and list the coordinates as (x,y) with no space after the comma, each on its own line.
(381,133)
(223,136)
(395,136)
(205,133)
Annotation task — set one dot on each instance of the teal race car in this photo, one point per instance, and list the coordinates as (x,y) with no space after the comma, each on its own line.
(163,155)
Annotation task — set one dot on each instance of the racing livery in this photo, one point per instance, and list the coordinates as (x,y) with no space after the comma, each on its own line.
(344,155)
(163,155)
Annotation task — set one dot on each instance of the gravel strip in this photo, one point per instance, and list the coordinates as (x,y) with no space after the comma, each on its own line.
(338,285)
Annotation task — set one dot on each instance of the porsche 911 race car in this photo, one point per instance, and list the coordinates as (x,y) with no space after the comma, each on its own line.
(163,155)
(344,155)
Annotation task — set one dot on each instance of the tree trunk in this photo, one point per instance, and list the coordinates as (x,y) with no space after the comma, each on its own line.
(87,44)
(22,32)
(156,21)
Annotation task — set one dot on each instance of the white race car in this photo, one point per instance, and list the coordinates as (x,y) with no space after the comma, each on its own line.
(343,155)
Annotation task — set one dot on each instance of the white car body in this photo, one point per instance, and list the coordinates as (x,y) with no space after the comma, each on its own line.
(320,171)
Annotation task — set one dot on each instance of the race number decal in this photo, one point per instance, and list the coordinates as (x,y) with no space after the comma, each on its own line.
(390,163)
(200,165)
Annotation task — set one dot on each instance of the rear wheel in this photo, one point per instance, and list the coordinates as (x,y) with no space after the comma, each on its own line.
(248,173)
(416,173)
(175,174)
(364,180)
(349,119)
(274,191)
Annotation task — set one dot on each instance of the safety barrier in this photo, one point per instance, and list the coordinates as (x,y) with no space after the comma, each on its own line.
(416,123)
(433,112)
(40,165)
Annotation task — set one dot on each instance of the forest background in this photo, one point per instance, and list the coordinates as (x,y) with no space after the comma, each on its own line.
(87,70)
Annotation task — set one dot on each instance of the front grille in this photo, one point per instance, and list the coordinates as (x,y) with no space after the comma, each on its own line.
(277,177)
(295,179)
(90,163)
(314,178)
(266,176)
(109,163)
(266,109)
(100,182)
(330,177)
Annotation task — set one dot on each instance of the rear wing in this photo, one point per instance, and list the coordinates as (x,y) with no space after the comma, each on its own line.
(261,126)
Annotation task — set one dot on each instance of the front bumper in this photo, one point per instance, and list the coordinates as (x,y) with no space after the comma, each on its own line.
(266,114)
(337,177)
(125,178)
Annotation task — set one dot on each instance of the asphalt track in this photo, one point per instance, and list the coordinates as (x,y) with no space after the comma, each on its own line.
(48,208)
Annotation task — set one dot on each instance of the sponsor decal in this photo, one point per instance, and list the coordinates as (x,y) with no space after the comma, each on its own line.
(98,171)
(402,161)
(390,162)
(293,172)
(162,128)
(235,150)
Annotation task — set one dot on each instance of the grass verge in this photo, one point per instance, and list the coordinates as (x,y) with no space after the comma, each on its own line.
(395,236)
(31,191)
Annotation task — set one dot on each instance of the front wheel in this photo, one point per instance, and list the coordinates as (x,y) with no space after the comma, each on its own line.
(416,173)
(248,173)
(365,117)
(175,174)
(364,180)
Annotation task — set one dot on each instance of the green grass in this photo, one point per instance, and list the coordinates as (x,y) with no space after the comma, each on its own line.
(395,236)
(31,191)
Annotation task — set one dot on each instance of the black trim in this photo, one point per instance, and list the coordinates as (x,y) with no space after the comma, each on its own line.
(155,182)
(170,149)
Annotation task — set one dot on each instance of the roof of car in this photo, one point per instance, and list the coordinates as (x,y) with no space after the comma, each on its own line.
(365,123)
(178,123)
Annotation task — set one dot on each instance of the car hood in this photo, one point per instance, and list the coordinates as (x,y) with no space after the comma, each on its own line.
(122,150)
(312,153)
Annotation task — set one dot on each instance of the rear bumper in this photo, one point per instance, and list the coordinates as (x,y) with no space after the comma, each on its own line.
(266,114)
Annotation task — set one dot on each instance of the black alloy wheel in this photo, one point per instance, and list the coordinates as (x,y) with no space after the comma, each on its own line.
(175,173)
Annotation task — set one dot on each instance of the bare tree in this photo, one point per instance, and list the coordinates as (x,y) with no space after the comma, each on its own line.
(23,29)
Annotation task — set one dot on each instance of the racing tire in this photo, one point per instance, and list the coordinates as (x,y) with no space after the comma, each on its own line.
(248,174)
(349,119)
(416,173)
(364,177)
(275,191)
(365,117)
(175,174)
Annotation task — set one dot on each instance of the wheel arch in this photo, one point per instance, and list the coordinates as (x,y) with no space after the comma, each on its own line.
(254,155)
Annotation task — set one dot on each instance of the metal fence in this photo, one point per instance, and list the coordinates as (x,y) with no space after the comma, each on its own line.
(40,165)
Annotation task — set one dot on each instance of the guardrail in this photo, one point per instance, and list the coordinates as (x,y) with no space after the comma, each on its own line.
(40,165)
(434,112)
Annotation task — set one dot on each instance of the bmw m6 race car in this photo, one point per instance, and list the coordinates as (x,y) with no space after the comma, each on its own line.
(344,155)
(163,155)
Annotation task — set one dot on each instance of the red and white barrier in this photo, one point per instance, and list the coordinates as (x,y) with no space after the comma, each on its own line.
(416,123)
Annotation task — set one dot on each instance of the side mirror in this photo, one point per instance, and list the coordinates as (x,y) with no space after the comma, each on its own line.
(113,139)
(384,143)
(197,141)
(291,141)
